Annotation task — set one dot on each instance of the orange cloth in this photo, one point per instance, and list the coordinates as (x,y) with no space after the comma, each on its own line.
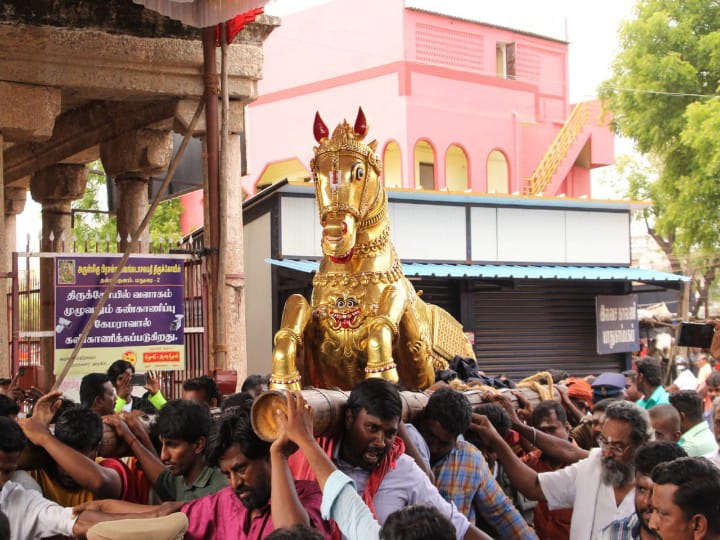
(579,389)
(549,524)
(55,492)
(140,479)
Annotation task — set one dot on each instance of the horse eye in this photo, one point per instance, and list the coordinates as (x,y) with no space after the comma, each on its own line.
(359,173)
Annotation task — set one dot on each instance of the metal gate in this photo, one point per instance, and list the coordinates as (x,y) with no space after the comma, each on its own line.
(24,309)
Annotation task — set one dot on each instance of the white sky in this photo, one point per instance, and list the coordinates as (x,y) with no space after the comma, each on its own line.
(589,27)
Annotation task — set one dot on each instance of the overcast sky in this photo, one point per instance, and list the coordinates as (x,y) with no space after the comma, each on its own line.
(589,27)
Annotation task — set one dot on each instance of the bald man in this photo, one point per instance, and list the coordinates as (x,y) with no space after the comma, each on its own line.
(665,421)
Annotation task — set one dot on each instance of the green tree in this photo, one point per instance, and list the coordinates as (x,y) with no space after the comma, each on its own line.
(663,94)
(93,224)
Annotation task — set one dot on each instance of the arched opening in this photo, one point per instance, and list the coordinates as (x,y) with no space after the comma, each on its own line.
(498,178)
(424,165)
(456,169)
(292,169)
(392,165)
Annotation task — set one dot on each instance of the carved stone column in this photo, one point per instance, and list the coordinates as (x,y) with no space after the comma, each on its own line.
(27,114)
(15,198)
(232,251)
(131,160)
(55,188)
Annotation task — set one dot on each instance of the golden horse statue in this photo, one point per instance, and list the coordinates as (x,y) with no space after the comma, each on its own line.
(365,318)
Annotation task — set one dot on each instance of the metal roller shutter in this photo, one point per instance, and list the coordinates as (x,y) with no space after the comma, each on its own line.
(441,292)
(538,325)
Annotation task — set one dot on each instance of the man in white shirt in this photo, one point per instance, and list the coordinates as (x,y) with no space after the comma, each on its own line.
(599,488)
(30,515)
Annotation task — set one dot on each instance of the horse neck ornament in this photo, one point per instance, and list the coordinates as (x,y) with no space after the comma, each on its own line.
(365,319)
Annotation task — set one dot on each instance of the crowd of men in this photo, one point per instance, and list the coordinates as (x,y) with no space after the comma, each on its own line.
(618,456)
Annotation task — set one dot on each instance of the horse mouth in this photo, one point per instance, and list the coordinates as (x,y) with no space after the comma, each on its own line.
(338,240)
(342,259)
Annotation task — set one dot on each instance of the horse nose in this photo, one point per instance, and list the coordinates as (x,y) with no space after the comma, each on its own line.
(335,229)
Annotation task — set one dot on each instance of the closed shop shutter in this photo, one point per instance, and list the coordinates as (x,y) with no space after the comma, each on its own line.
(538,325)
(444,293)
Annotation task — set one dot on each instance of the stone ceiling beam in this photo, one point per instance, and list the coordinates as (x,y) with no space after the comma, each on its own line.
(117,67)
(80,129)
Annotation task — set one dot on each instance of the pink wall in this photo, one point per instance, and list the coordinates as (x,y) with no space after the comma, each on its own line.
(417,76)
(191,218)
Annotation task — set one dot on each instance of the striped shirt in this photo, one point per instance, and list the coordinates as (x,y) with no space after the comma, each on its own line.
(627,528)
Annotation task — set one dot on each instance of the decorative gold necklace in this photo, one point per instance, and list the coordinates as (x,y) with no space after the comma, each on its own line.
(352,280)
(373,247)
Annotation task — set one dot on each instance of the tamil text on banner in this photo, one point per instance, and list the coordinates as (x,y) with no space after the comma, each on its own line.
(617,323)
(141,322)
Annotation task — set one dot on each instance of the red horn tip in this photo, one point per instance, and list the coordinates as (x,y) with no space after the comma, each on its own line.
(360,123)
(320,130)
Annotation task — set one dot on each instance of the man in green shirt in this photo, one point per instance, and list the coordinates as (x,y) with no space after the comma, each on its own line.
(649,382)
(697,439)
(180,474)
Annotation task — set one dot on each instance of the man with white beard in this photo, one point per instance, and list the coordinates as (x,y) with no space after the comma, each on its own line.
(599,488)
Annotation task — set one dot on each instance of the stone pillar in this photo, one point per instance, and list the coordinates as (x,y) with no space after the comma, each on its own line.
(15,198)
(5,354)
(229,351)
(55,188)
(131,160)
(232,252)
(131,207)
(27,113)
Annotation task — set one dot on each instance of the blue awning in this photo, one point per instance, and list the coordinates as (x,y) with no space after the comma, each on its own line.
(510,271)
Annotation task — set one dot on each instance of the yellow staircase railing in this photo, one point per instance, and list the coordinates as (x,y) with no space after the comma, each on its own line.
(542,176)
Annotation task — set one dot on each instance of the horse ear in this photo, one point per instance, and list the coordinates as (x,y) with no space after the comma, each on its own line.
(320,130)
(360,124)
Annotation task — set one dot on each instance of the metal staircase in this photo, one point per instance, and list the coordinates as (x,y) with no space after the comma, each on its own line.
(548,166)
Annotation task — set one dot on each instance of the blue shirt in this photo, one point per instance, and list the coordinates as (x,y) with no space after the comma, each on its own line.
(341,502)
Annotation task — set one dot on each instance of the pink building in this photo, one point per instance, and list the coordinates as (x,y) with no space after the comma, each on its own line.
(456,105)
(473,123)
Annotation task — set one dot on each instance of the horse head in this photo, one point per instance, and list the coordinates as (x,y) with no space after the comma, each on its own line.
(346,172)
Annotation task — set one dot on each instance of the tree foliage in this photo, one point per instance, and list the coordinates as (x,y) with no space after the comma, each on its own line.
(664,95)
(94,226)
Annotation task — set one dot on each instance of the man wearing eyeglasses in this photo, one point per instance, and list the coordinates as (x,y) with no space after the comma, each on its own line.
(637,525)
(599,488)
